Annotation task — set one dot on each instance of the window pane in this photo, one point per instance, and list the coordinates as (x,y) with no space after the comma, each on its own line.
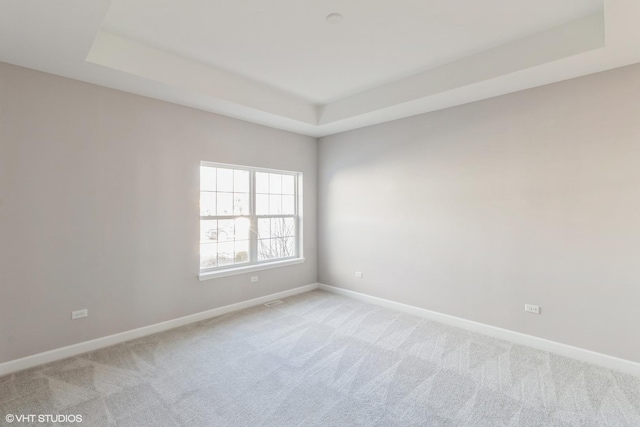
(275,204)
(225,180)
(262,204)
(242,226)
(208,231)
(225,204)
(240,181)
(288,186)
(288,247)
(277,227)
(264,228)
(207,203)
(225,253)
(288,205)
(241,252)
(207,178)
(240,204)
(275,183)
(282,247)
(208,255)
(289,227)
(262,182)
(226,229)
(264,249)
(278,247)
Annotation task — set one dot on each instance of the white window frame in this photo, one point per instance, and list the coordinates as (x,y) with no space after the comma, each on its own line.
(254,264)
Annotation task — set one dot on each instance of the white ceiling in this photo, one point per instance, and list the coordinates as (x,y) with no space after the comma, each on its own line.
(279,63)
(289,45)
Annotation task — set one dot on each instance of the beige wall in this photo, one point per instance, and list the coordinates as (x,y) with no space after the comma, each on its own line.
(99,209)
(473,211)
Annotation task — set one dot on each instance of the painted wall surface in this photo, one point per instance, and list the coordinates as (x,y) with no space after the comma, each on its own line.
(533,197)
(99,195)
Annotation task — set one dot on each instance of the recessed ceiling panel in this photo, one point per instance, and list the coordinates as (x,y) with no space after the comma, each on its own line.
(289,45)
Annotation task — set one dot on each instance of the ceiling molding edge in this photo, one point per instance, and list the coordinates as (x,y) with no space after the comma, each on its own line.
(123,54)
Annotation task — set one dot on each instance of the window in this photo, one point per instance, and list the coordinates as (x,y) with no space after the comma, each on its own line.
(249,218)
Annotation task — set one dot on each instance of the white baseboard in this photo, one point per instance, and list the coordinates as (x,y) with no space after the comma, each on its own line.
(610,362)
(581,354)
(83,347)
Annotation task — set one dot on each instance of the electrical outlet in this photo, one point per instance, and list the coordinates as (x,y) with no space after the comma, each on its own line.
(359,274)
(535,309)
(79,314)
(254,279)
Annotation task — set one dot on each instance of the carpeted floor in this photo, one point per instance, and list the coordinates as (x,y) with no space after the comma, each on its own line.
(326,360)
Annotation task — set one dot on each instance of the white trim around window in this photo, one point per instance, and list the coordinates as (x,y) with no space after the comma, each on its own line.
(208,275)
(250,219)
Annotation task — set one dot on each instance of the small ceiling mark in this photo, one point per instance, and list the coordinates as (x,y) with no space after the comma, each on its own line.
(334,18)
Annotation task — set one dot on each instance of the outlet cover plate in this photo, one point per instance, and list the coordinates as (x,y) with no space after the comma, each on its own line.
(530,308)
(79,314)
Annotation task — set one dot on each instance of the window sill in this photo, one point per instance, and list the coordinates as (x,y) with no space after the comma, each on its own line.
(208,275)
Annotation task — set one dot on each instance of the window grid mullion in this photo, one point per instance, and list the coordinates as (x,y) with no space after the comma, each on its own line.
(253,232)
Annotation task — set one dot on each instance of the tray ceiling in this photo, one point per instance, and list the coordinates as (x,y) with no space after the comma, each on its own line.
(283,65)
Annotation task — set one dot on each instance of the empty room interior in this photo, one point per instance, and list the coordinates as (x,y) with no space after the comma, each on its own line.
(320,213)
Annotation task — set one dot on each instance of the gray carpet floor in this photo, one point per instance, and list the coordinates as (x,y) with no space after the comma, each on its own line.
(320,359)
